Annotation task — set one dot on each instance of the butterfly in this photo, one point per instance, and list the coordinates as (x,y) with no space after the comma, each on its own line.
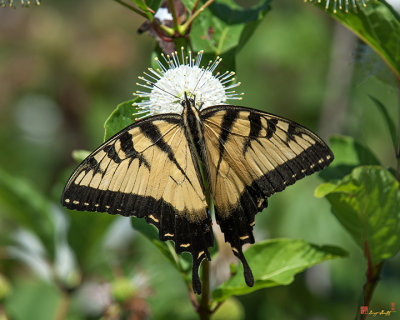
(166,167)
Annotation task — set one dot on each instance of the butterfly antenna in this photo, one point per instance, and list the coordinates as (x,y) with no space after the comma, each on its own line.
(201,105)
(203,71)
(167,92)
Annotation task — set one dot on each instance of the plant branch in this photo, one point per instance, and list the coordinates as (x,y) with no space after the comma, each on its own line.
(63,306)
(195,6)
(189,22)
(217,306)
(174,17)
(192,297)
(158,28)
(136,10)
(204,306)
(373,273)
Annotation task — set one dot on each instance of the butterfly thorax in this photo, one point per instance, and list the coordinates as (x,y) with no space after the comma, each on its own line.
(193,125)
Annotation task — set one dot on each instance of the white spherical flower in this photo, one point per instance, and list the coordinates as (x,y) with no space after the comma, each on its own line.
(342,5)
(166,86)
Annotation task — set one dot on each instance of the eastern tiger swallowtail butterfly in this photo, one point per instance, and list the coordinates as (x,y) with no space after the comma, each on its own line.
(152,170)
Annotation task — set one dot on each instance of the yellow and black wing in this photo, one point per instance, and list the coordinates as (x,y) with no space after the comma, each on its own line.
(148,170)
(250,156)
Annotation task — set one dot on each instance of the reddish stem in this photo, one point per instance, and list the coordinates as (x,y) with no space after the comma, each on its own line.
(372,274)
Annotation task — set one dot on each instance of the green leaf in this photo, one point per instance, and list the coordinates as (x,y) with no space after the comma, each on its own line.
(367,204)
(324,189)
(275,262)
(153,4)
(120,118)
(348,155)
(226,26)
(389,122)
(80,155)
(377,24)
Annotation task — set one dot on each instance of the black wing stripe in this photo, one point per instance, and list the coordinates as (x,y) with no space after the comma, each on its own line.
(271,127)
(227,122)
(129,150)
(112,153)
(152,132)
(255,128)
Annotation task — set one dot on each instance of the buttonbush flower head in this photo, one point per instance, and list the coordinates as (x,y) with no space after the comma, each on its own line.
(341,5)
(165,88)
(24,3)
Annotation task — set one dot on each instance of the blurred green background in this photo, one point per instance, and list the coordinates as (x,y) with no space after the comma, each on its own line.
(65,65)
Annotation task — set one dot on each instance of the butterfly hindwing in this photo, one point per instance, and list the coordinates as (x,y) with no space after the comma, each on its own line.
(148,170)
(251,155)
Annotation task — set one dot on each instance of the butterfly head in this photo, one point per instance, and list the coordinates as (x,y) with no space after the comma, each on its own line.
(190,102)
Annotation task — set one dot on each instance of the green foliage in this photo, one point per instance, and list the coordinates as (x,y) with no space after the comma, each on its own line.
(348,155)
(275,262)
(226,26)
(388,120)
(69,251)
(80,155)
(367,203)
(144,5)
(121,117)
(377,24)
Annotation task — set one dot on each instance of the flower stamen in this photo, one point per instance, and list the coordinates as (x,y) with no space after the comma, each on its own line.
(338,5)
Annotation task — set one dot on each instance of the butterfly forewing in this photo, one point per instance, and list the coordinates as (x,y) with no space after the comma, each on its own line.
(147,170)
(252,155)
